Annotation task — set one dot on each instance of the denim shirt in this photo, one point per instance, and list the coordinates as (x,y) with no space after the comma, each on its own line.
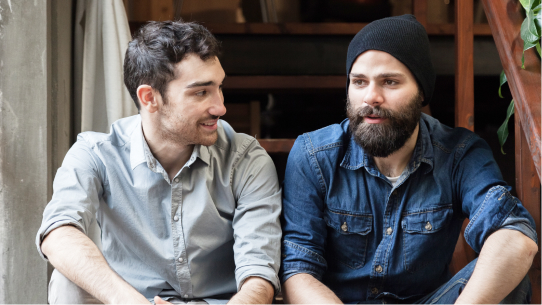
(349,227)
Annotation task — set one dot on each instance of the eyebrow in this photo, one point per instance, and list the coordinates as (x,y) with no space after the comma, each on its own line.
(382,75)
(202,84)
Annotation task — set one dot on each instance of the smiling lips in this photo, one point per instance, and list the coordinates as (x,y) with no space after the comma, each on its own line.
(210,125)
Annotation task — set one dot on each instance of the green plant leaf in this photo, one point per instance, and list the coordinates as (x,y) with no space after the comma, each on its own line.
(538,48)
(536,3)
(527,4)
(529,31)
(502,81)
(536,20)
(502,133)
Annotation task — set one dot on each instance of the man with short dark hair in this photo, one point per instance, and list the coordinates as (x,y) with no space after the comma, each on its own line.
(188,208)
(373,207)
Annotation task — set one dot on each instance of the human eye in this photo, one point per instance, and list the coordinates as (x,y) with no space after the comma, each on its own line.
(390,82)
(358,82)
(201,93)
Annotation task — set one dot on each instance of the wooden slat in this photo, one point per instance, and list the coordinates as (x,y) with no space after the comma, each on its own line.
(335,28)
(464,67)
(277,145)
(505,18)
(419,8)
(528,190)
(436,29)
(285,82)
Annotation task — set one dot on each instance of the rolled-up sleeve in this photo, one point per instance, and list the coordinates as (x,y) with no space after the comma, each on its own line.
(76,190)
(256,222)
(303,222)
(486,198)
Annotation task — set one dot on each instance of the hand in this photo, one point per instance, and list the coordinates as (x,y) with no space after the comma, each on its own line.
(159,300)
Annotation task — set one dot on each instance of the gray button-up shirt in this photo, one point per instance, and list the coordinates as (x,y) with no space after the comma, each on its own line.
(199,235)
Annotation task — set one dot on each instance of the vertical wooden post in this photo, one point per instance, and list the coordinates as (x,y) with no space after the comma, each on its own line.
(419,9)
(528,190)
(464,72)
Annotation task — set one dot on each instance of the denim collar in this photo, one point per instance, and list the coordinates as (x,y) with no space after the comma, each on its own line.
(355,157)
(140,151)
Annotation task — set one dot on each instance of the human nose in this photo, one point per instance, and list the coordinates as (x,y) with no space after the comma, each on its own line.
(373,96)
(218,108)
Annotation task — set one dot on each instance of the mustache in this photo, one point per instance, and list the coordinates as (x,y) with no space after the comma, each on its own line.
(376,111)
(211,117)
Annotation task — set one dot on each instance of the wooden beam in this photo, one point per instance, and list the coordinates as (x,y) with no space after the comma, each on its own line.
(331,28)
(464,66)
(528,190)
(285,82)
(505,18)
(419,8)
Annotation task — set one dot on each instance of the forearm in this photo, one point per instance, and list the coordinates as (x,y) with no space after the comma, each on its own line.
(504,261)
(78,258)
(304,288)
(255,290)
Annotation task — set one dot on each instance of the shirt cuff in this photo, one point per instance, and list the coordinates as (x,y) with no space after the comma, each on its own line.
(298,259)
(45,230)
(266,273)
(514,222)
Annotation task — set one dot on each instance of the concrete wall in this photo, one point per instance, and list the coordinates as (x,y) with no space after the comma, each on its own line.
(35,56)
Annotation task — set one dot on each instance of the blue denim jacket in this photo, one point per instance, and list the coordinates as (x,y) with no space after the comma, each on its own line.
(345,224)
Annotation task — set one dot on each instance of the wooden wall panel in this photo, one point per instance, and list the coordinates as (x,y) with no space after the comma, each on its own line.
(464,73)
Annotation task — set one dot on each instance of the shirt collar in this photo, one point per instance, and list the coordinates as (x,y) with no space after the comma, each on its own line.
(202,152)
(140,151)
(355,157)
(137,146)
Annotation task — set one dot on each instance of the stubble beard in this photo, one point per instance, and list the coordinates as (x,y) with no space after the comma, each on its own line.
(382,140)
(179,130)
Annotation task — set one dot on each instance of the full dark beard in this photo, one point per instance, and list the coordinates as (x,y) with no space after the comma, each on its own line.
(382,140)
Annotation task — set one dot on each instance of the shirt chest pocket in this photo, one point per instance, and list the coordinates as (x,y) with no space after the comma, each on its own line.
(425,236)
(347,238)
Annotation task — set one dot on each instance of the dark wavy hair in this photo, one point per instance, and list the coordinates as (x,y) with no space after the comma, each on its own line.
(156,48)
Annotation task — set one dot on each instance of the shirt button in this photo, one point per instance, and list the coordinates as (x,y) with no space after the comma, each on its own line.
(181,260)
(344,227)
(389,231)
(176,218)
(379,269)
(428,226)
(374,290)
(176,179)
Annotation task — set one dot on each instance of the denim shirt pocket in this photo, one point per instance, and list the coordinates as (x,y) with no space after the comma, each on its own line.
(347,237)
(423,235)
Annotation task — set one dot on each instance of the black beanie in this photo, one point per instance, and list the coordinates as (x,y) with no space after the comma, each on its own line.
(404,38)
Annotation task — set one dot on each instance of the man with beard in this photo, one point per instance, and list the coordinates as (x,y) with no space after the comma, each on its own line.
(188,209)
(373,206)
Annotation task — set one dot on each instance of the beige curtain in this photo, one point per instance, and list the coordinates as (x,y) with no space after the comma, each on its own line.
(100,97)
(101,38)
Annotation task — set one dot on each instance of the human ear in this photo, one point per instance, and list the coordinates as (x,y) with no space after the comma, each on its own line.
(147,98)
